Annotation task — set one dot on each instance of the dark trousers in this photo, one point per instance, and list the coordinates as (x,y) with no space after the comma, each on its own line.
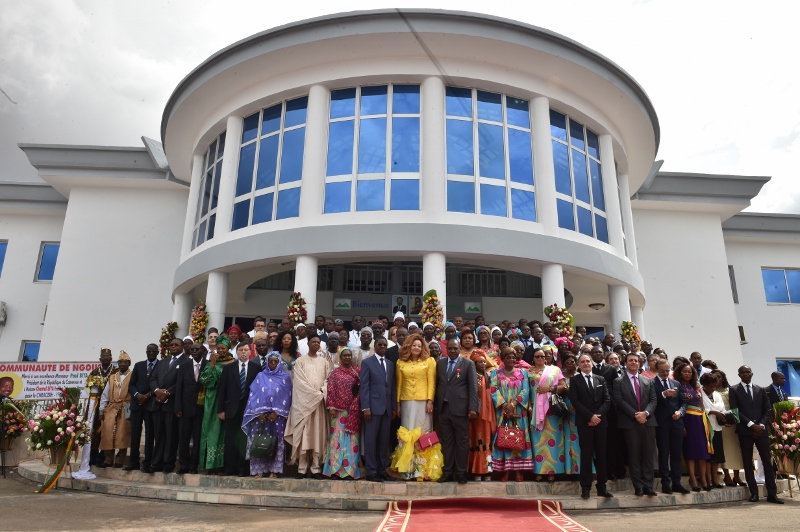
(762,444)
(376,444)
(641,442)
(616,450)
(235,443)
(137,418)
(166,441)
(669,440)
(455,441)
(189,428)
(592,441)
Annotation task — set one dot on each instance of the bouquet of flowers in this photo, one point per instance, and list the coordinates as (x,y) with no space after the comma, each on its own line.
(631,332)
(53,428)
(561,318)
(167,335)
(95,381)
(785,436)
(13,421)
(197,329)
(432,311)
(296,311)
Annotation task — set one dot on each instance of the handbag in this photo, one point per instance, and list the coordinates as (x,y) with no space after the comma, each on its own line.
(428,440)
(510,437)
(265,444)
(558,407)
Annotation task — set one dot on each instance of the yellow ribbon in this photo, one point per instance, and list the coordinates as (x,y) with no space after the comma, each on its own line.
(409,438)
(697,411)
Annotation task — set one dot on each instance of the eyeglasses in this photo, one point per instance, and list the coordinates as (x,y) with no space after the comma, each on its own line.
(539,356)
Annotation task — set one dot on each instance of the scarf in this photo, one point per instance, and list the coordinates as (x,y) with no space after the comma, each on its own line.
(271,391)
(549,376)
(341,397)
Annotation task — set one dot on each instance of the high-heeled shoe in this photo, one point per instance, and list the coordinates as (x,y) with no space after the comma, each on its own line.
(518,477)
(717,486)
(740,483)
(730,483)
(707,488)
(504,478)
(696,488)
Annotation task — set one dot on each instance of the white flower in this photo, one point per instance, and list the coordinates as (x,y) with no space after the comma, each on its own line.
(38,445)
(79,419)
(49,442)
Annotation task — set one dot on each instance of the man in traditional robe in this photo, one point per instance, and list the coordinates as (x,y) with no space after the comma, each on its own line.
(307,425)
(116,425)
(99,375)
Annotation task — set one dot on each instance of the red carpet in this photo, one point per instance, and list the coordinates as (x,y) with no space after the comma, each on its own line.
(476,515)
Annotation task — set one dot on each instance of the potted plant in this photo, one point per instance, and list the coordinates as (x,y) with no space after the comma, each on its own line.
(55,427)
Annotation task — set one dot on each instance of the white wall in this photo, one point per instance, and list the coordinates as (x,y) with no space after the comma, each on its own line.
(119,251)
(685,269)
(25,299)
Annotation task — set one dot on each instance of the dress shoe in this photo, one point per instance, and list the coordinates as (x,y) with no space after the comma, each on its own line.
(446,478)
(717,486)
(680,489)
(182,471)
(317,476)
(603,492)
(386,478)
(300,476)
(148,470)
(638,492)
(167,471)
(131,467)
(696,489)
(649,492)
(707,488)
(666,490)
(462,479)
(193,471)
(374,478)
(101,465)
(774,499)
(584,493)
(753,498)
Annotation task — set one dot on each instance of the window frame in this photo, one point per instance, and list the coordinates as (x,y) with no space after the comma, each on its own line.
(215,167)
(4,247)
(24,344)
(786,286)
(37,272)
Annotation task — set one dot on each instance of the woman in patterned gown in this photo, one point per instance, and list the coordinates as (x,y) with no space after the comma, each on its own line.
(212,439)
(547,433)
(482,428)
(572,449)
(343,459)
(510,390)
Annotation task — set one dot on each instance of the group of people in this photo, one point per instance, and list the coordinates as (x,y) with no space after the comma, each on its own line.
(397,401)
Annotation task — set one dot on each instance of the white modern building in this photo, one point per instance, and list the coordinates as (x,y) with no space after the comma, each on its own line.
(361,156)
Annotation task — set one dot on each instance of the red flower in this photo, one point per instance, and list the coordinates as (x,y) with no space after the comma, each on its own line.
(345,462)
(539,458)
(551,442)
(527,446)
(355,448)
(561,458)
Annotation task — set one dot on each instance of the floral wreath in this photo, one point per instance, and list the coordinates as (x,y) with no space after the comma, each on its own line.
(561,317)
(167,335)
(432,311)
(296,310)
(197,328)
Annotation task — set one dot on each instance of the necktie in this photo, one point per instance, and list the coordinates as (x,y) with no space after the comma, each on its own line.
(589,382)
(149,367)
(242,380)
(635,380)
(383,367)
(749,391)
(263,361)
(664,382)
(598,366)
(450,366)
(171,361)
(196,371)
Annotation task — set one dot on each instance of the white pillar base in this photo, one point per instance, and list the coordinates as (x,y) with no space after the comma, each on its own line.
(217,299)
(305,282)
(181,313)
(552,286)
(620,307)
(434,277)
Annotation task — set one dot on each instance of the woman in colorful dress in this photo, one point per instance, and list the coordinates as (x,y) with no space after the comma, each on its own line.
(286,345)
(497,334)
(547,434)
(519,352)
(482,428)
(696,442)
(510,390)
(550,355)
(652,363)
(468,346)
(269,402)
(343,459)
(449,334)
(563,348)
(484,342)
(212,439)
(572,448)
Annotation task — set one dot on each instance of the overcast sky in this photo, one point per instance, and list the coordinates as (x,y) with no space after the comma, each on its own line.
(722,75)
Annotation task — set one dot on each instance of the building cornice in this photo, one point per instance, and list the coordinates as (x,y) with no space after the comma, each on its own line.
(30,198)
(762,226)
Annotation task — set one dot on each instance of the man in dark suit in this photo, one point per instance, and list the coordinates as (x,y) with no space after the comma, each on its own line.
(754,416)
(670,409)
(141,396)
(163,380)
(590,397)
(457,403)
(393,353)
(232,394)
(635,398)
(615,444)
(775,392)
(188,410)
(378,404)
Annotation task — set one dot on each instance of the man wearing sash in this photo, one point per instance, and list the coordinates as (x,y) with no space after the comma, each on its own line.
(116,425)
(96,383)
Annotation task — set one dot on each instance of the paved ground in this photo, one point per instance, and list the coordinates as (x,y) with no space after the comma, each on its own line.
(69,510)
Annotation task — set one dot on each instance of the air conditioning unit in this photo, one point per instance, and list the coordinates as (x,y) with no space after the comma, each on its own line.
(3,313)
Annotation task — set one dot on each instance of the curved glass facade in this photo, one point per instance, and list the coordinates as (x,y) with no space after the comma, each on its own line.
(206,211)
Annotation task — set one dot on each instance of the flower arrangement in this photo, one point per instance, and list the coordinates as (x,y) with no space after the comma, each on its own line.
(432,311)
(197,328)
(785,436)
(53,428)
(14,421)
(631,332)
(296,310)
(95,381)
(167,335)
(560,317)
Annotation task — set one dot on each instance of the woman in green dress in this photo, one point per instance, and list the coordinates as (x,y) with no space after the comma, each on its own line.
(212,439)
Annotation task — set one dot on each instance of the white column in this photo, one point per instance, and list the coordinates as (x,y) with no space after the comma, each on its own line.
(216,299)
(311,197)
(552,286)
(434,277)
(544,172)
(433,165)
(191,207)
(637,317)
(305,282)
(227,182)
(620,306)
(627,219)
(611,193)
(181,313)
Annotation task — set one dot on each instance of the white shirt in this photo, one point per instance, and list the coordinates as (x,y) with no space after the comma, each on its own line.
(302,346)
(355,338)
(713,403)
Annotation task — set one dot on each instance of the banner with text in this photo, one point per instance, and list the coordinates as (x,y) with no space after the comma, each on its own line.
(42,380)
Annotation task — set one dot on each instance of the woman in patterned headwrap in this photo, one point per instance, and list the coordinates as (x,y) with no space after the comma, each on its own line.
(343,402)
(449,334)
(212,439)
(484,337)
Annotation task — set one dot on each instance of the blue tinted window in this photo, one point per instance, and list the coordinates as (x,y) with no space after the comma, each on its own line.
(493,200)
(337,197)
(576,134)
(244,180)
(523,205)
(343,103)
(241,214)
(288,203)
(458,101)
(250,128)
(490,106)
(207,183)
(585,221)
(296,112)
(221,146)
(267,162)
(3,248)
(262,208)
(47,266)
(520,157)
(212,222)
(211,156)
(404,195)
(271,121)
(490,151)
(775,286)
(558,125)
(372,146)
(460,197)
(793,282)
(459,148)
(517,112)
(201,236)
(370,195)
(597,185)
(601,226)
(405,99)
(292,155)
(579,173)
(561,163)
(30,353)
(594,144)
(405,145)
(215,191)
(565,217)
(373,100)
(340,148)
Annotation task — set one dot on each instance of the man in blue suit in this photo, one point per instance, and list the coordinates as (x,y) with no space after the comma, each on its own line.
(378,399)
(670,409)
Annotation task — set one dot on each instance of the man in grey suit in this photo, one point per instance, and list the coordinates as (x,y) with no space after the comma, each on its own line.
(457,403)
(163,382)
(378,398)
(635,397)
